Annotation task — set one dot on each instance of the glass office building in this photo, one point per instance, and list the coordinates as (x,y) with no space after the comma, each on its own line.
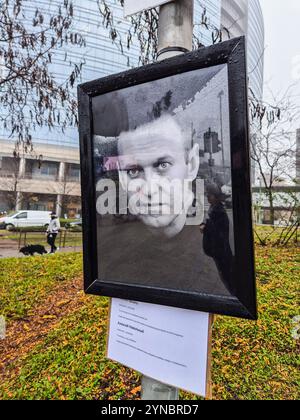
(210,9)
(256,47)
(244,17)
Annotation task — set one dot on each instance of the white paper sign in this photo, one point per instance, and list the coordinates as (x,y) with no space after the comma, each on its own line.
(133,6)
(169,345)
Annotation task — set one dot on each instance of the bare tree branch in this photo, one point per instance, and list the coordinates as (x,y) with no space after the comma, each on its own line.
(30,96)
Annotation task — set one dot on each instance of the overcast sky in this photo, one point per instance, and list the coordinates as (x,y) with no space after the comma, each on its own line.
(282,55)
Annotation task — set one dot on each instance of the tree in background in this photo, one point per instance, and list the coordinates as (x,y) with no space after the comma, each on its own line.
(273,147)
(10,181)
(11,178)
(30,96)
(273,151)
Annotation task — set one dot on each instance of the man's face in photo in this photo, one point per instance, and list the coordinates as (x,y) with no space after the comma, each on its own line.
(155,161)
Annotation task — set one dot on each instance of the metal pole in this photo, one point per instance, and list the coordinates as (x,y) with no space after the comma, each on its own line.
(175,37)
(175,28)
(156,391)
(220,95)
(65,235)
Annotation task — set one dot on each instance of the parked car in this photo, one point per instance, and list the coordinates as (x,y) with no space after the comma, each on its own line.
(26,218)
(77,224)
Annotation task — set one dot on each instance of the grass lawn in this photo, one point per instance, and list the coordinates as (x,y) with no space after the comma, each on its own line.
(24,282)
(250,360)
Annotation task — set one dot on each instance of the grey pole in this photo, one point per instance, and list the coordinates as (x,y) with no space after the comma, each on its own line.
(220,96)
(156,391)
(175,37)
(175,28)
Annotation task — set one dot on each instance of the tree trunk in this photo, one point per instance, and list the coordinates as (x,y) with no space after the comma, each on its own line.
(272,210)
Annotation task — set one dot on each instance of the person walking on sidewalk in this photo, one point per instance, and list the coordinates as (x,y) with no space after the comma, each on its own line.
(52,232)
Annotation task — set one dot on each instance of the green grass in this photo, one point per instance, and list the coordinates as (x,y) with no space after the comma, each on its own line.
(274,235)
(70,364)
(24,282)
(261,360)
(250,360)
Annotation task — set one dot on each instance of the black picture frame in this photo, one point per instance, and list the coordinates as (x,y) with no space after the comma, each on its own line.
(243,305)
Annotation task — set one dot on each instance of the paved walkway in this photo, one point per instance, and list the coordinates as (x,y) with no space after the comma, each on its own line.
(8,248)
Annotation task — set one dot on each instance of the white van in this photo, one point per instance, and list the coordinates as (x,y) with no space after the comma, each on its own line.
(26,218)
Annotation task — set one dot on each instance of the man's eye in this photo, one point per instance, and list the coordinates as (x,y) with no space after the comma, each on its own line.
(133,173)
(164,166)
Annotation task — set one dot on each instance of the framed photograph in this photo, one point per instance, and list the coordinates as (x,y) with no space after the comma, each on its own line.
(166,183)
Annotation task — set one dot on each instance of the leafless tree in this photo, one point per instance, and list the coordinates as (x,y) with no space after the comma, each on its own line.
(69,194)
(30,96)
(273,146)
(10,183)
(11,180)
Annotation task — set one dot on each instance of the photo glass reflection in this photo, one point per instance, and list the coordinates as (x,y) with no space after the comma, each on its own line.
(162,164)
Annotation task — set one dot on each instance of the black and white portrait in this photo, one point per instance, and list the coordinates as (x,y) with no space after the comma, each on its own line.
(163,182)
(166,190)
